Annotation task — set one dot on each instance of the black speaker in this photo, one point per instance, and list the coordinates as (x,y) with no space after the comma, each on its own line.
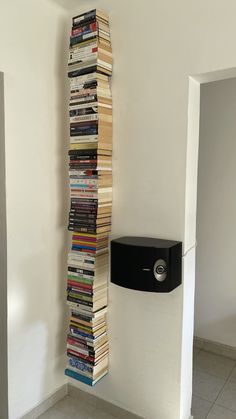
(146,264)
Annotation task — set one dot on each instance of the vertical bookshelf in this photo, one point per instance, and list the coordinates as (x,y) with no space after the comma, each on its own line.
(90,178)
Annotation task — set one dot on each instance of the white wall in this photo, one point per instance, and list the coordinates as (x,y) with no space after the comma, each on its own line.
(215,312)
(156,46)
(33,56)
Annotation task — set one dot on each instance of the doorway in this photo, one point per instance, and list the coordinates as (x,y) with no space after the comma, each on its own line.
(214,366)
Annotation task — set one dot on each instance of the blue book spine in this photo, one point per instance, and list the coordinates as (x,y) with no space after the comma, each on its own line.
(79,377)
(85,335)
(85,32)
(80,365)
(74,247)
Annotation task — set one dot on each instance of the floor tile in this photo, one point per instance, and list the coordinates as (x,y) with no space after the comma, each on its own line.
(227,397)
(218,412)
(200,408)
(214,364)
(77,394)
(207,386)
(53,414)
(100,414)
(77,409)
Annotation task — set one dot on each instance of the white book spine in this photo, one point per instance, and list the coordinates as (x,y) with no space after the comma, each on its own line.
(92,47)
(75,140)
(84,118)
(76,49)
(82,138)
(93,105)
(82,57)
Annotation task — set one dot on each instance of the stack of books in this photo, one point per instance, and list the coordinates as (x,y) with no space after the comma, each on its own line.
(90,44)
(90,174)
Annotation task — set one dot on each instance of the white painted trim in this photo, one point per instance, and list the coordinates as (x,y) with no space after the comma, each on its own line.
(189,246)
(217,75)
(192,164)
(47,403)
(195,82)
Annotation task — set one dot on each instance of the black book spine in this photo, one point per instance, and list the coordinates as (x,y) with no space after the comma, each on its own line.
(74,132)
(84,211)
(81,131)
(82,158)
(83,166)
(81,216)
(86,206)
(80,271)
(81,112)
(82,152)
(83,223)
(77,301)
(76,157)
(79,229)
(80,19)
(84,22)
(86,201)
(82,71)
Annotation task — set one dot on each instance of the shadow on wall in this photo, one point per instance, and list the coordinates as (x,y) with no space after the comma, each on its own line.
(62,193)
(68,4)
(40,329)
(61,151)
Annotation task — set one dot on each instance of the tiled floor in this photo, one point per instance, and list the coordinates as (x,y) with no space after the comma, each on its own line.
(71,408)
(214,386)
(214,393)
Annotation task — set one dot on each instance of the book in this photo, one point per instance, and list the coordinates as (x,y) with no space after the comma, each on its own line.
(91,382)
(84,17)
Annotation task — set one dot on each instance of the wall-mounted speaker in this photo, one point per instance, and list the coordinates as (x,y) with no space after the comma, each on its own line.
(146,264)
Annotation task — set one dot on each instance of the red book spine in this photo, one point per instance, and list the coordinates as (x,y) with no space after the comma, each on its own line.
(79,285)
(92,27)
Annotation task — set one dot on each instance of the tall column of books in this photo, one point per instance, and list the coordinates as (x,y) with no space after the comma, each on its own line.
(90,174)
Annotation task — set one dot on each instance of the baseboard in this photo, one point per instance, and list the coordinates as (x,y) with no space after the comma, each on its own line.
(215,347)
(109,408)
(47,403)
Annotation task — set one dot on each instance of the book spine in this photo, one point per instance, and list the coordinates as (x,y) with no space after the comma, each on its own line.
(77,20)
(91,27)
(78,377)
(84,118)
(82,37)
